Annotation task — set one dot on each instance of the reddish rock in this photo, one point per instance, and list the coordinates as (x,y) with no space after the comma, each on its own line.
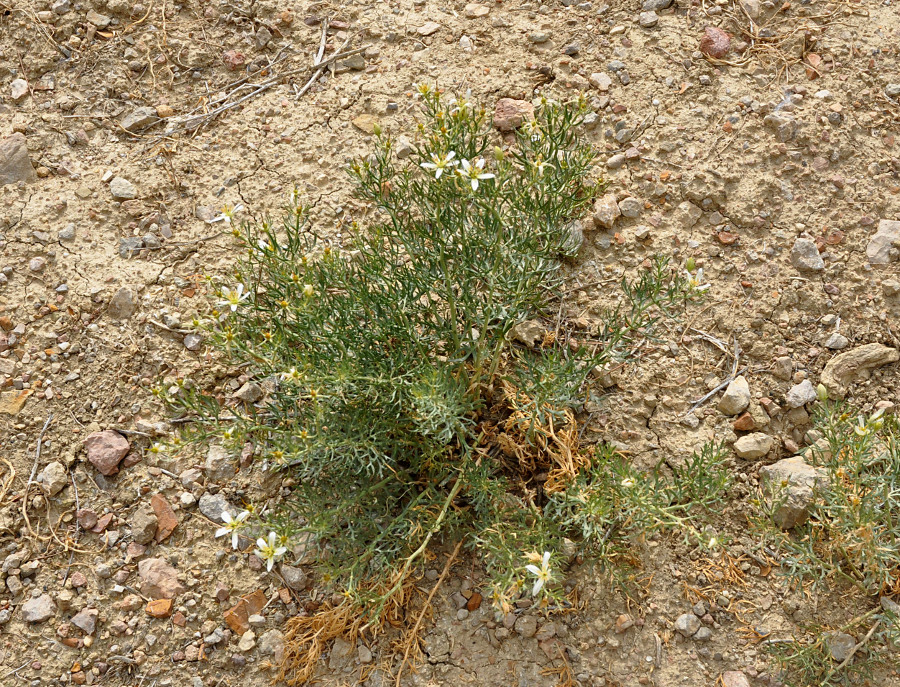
(159,580)
(132,602)
(167,522)
(234,59)
(87,519)
(178,619)
(105,450)
(510,114)
(78,580)
(102,523)
(238,616)
(159,608)
(715,42)
(86,620)
(474,602)
(744,423)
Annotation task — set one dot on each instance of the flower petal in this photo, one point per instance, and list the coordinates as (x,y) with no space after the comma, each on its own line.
(234,540)
(546,559)
(537,587)
(533,569)
(222,531)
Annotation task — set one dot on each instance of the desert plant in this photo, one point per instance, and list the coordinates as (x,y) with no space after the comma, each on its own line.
(397,390)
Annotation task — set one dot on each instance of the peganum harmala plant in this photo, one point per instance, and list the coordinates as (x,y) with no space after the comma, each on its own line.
(398,393)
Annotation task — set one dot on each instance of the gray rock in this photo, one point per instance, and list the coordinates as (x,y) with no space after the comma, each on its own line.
(840,644)
(704,634)
(790,486)
(656,5)
(219,464)
(294,577)
(15,165)
(217,636)
(600,80)
(122,189)
(648,19)
(844,368)
(403,147)
(53,478)
(753,446)
(837,342)
(606,211)
(879,248)
(101,21)
(192,341)
(263,37)
(892,90)
(5,616)
(736,397)
(364,654)
(631,207)
(800,394)
(271,643)
(18,89)
(61,7)
(687,624)
(39,609)
(805,256)
(86,620)
(129,246)
(247,642)
(616,161)
(734,678)
(139,119)
(785,127)
(213,505)
(121,305)
(890,288)
(143,524)
(250,392)
(67,233)
(526,626)
(687,214)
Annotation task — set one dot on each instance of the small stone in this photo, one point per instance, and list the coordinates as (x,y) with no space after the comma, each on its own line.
(219,465)
(39,609)
(159,580)
(734,678)
(623,623)
(247,642)
(648,20)
(805,256)
(606,211)
(687,214)
(791,485)
(122,189)
(263,37)
(129,246)
(840,644)
(294,577)
(53,478)
(213,505)
(510,114)
(656,5)
(272,644)
(704,634)
(15,165)
(475,11)
(753,446)
(250,392)
(101,21)
(615,161)
(105,450)
(744,423)
(715,42)
(67,233)
(878,250)
(428,28)
(837,342)
(159,608)
(526,626)
(687,624)
(234,59)
(736,397)
(800,394)
(192,341)
(139,119)
(601,81)
(364,654)
(165,516)
(143,524)
(892,90)
(121,305)
(86,620)
(631,207)
(18,89)
(841,371)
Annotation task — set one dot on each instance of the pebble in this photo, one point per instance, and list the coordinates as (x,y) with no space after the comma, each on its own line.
(606,211)
(122,304)
(510,114)
(734,678)
(615,161)
(656,5)
(271,643)
(601,81)
(844,368)
(800,394)
(753,446)
(105,450)
(648,19)
(791,485)
(139,119)
(526,626)
(878,250)
(18,89)
(892,90)
(247,641)
(122,189)
(837,342)
(38,609)
(687,624)
(15,164)
(630,207)
(715,42)
(805,256)
(53,478)
(192,341)
(86,620)
(736,397)
(143,524)
(159,580)
(475,11)
(250,392)
(67,233)
(294,577)
(840,644)
(213,505)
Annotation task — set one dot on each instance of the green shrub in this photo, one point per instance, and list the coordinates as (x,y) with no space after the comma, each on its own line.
(398,394)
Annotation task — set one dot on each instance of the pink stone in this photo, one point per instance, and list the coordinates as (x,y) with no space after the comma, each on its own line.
(105,450)
(715,42)
(510,114)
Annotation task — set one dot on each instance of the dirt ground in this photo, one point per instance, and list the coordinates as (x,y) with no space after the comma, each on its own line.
(141,120)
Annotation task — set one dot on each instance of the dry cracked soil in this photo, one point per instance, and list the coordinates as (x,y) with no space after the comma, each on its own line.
(758,138)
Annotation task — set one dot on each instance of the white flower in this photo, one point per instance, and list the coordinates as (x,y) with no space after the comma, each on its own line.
(627,483)
(440,164)
(308,290)
(695,281)
(473,172)
(233,298)
(266,246)
(461,104)
(232,525)
(291,376)
(543,573)
(228,213)
(423,89)
(268,551)
(540,165)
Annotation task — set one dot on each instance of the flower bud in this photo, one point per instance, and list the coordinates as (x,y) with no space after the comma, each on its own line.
(376,129)
(822,393)
(498,153)
(690,265)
